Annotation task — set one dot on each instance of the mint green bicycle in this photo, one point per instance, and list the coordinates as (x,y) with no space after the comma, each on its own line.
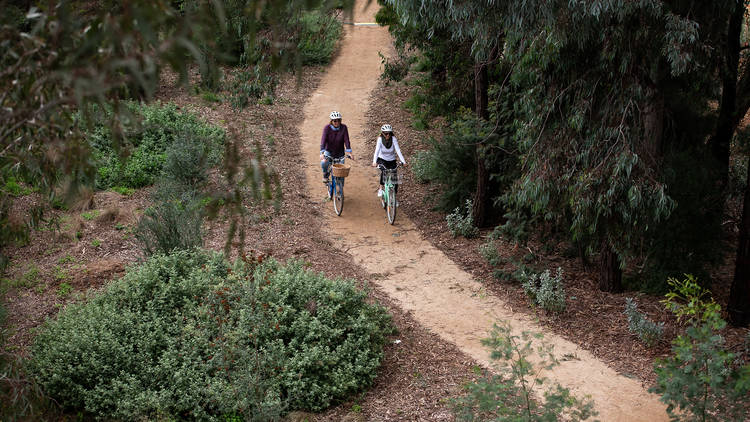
(388,199)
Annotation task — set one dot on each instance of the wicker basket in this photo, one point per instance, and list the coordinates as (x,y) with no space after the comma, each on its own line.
(340,170)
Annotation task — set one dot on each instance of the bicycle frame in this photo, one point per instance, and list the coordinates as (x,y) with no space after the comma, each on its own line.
(336,186)
(388,200)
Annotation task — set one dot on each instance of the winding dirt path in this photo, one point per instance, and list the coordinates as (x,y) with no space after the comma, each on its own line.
(417,275)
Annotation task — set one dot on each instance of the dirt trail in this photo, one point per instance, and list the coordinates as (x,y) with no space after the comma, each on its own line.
(417,275)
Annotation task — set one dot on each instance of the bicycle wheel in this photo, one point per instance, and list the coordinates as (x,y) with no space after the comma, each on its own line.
(390,210)
(338,198)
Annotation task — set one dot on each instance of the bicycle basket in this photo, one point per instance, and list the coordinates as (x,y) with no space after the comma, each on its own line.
(392,176)
(340,170)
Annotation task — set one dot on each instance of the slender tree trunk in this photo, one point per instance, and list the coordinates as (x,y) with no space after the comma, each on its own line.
(727,121)
(610,274)
(739,295)
(479,212)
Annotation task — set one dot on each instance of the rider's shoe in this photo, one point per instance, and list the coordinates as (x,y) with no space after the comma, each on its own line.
(380,193)
(325,180)
(397,203)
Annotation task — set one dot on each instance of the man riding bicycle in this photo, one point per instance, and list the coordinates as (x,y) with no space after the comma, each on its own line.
(334,144)
(386,150)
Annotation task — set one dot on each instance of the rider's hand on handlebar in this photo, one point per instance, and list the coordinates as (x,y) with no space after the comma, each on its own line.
(374,164)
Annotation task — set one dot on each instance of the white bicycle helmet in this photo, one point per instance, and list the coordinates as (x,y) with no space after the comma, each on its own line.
(386,128)
(335,115)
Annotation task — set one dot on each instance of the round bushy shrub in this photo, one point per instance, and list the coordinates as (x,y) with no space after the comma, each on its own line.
(191,336)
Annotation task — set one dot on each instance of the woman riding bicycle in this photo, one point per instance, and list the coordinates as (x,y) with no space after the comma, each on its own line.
(334,144)
(386,150)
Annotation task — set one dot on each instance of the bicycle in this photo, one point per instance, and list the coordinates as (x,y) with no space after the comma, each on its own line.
(336,184)
(388,199)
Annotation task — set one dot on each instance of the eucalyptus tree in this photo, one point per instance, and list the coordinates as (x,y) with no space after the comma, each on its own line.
(479,23)
(609,90)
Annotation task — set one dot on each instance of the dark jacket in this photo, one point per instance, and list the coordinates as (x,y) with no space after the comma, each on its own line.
(336,142)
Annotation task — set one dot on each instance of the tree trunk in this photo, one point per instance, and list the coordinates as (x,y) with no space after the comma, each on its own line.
(739,295)
(727,121)
(479,211)
(610,275)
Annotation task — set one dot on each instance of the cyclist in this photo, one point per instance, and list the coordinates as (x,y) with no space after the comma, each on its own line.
(386,150)
(334,144)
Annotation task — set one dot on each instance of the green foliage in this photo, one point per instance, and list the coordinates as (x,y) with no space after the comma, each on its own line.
(450,163)
(173,223)
(90,215)
(510,396)
(688,300)
(460,222)
(153,133)
(251,85)
(214,340)
(319,32)
(424,167)
(28,279)
(64,290)
(648,331)
(210,97)
(189,159)
(545,290)
(701,381)
(13,188)
(489,252)
(395,69)
(122,190)
(12,15)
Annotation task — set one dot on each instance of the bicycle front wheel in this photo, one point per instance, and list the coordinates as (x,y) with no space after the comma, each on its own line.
(390,209)
(338,199)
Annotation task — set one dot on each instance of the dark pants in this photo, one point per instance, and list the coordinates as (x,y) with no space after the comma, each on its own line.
(389,165)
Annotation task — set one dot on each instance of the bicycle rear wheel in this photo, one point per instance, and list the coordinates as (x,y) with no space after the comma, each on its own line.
(338,198)
(390,210)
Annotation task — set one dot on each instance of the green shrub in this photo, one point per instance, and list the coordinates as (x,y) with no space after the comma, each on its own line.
(123,190)
(545,290)
(489,252)
(189,159)
(13,188)
(701,380)
(251,85)
(149,133)
(395,69)
(424,167)
(649,332)
(461,222)
(452,160)
(189,336)
(510,396)
(171,224)
(318,35)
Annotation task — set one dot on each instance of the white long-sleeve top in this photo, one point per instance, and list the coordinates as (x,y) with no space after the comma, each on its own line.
(388,154)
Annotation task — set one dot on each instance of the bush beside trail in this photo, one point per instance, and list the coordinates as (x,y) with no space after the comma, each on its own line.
(137,160)
(191,336)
